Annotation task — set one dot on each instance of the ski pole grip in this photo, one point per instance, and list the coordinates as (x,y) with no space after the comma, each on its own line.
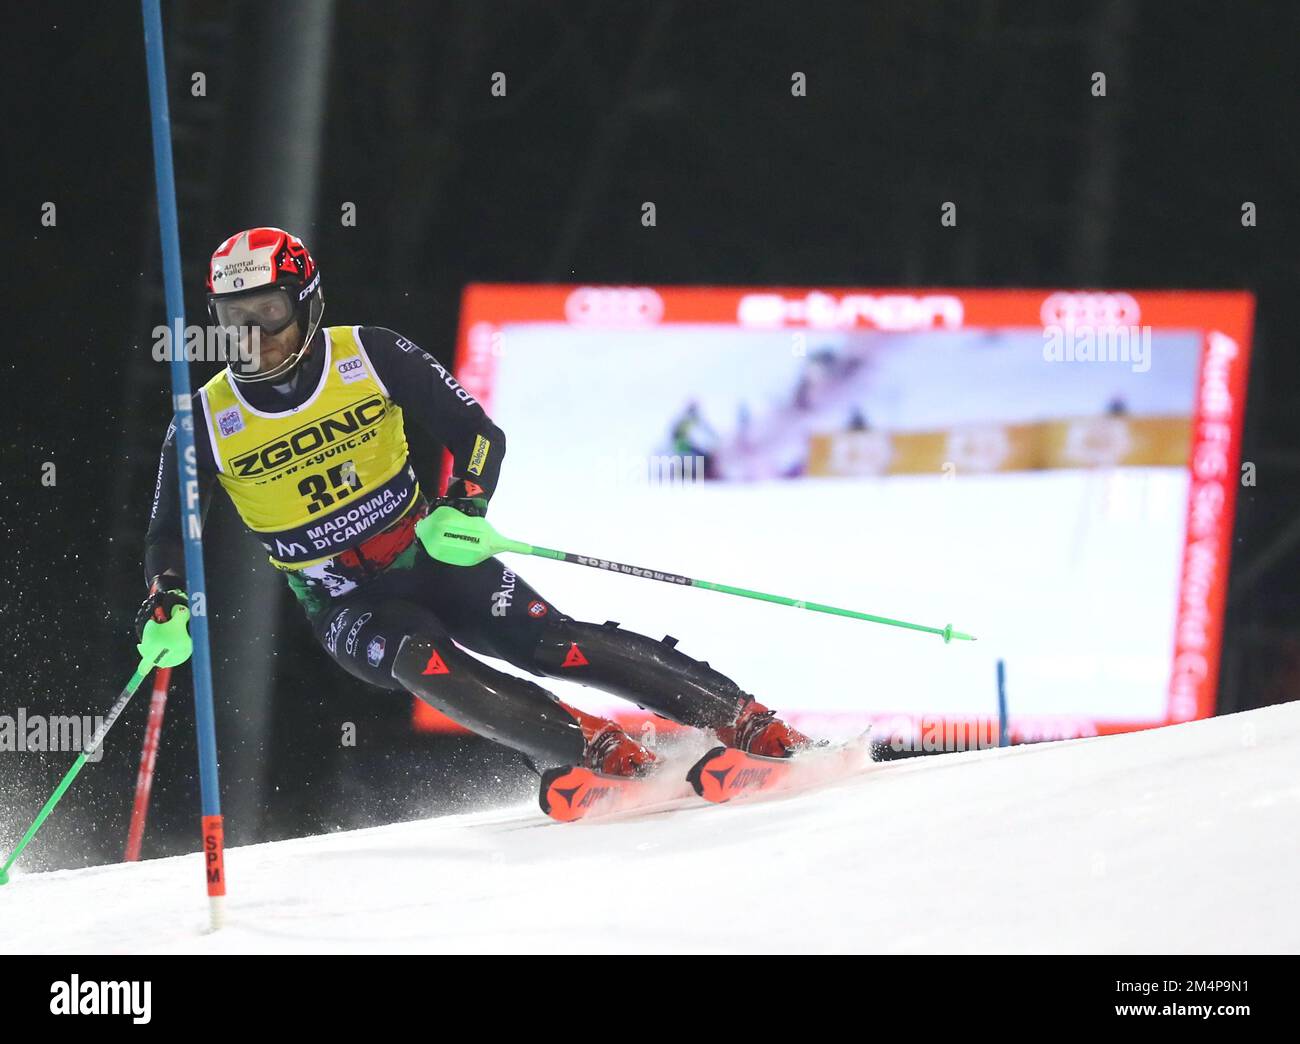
(455,538)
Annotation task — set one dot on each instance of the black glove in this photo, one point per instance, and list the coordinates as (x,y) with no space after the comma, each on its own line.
(165,594)
(465,496)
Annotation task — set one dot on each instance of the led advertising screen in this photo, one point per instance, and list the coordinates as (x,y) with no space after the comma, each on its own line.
(1051,471)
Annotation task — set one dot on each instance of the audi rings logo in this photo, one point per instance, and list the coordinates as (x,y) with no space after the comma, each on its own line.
(1071,309)
(614,306)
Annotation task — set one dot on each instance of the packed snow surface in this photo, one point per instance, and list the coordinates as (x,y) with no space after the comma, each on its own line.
(1182,839)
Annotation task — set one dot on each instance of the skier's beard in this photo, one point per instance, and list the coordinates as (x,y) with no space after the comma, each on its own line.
(275,348)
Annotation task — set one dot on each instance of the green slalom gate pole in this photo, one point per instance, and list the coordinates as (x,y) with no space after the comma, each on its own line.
(123,699)
(459,539)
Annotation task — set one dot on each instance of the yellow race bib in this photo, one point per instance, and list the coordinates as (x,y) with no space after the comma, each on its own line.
(323,477)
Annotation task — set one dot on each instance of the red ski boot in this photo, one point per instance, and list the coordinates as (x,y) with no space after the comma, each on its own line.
(758,730)
(614,753)
(610,751)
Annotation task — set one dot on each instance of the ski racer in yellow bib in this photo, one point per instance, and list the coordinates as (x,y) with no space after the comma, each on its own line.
(305,430)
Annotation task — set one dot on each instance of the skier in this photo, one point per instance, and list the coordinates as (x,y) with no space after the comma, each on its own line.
(307,438)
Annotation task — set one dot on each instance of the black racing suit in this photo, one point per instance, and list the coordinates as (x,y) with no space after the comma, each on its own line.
(403,617)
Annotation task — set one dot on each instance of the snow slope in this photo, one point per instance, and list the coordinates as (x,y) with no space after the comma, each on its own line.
(1178,839)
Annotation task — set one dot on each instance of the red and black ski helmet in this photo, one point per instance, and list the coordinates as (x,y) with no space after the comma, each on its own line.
(265,277)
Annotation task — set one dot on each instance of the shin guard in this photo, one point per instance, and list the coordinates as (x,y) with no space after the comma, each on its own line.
(512,711)
(653,674)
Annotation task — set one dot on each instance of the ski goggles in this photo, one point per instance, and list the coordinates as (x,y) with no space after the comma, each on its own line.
(272,308)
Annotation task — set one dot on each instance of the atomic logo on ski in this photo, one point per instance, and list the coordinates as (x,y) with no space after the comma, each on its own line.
(743,779)
(568,794)
(725,772)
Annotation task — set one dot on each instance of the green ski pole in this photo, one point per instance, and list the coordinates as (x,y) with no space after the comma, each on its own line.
(122,700)
(458,539)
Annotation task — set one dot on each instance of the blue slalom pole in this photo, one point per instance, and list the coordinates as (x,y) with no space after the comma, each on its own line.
(1003,741)
(187,470)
